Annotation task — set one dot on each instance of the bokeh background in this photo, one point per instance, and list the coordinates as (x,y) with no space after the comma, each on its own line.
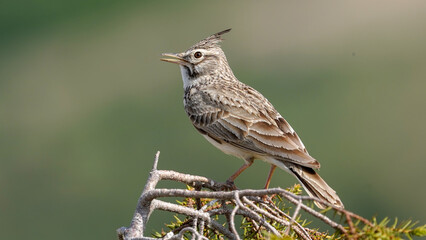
(85,103)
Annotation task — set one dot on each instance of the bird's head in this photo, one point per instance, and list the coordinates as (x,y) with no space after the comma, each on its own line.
(202,59)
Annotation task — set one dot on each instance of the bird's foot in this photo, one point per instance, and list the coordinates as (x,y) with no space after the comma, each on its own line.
(229,185)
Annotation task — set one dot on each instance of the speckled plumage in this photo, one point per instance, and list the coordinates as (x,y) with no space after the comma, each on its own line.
(239,120)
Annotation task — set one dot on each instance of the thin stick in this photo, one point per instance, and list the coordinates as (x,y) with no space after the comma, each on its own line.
(232,218)
(260,215)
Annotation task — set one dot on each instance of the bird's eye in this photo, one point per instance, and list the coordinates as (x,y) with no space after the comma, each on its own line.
(198,54)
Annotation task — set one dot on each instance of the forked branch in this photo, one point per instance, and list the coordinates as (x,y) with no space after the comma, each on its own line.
(212,199)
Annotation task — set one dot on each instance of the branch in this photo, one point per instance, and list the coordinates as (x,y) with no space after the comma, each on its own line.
(215,201)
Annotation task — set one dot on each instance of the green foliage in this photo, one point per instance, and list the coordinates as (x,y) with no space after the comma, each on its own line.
(248,230)
(382,230)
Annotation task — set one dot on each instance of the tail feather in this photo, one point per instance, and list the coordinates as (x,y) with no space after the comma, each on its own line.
(315,186)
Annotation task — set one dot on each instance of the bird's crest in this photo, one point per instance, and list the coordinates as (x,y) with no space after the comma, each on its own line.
(211,41)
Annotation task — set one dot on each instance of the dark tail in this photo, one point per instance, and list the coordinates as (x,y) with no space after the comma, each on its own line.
(315,186)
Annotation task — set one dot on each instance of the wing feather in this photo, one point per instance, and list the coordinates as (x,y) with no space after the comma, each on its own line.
(252,124)
(273,141)
(236,122)
(265,128)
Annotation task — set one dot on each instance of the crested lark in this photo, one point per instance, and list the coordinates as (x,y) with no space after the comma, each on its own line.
(240,121)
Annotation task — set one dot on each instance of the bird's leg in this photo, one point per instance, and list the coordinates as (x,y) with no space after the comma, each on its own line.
(247,164)
(271,172)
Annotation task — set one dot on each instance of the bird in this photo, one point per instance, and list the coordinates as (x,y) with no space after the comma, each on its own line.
(240,121)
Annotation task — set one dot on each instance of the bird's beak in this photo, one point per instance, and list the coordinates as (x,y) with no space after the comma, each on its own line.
(175,58)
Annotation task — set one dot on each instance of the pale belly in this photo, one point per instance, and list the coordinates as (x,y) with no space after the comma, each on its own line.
(245,155)
(230,149)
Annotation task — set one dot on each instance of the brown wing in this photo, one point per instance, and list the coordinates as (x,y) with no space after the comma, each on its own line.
(241,116)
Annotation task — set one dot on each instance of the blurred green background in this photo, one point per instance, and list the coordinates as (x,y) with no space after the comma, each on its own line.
(85,103)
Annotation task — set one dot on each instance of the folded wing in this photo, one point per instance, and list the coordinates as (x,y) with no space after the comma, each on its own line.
(250,125)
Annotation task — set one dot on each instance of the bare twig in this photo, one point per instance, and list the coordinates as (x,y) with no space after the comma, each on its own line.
(188,229)
(292,219)
(226,203)
(252,214)
(201,228)
(232,218)
(157,156)
(351,225)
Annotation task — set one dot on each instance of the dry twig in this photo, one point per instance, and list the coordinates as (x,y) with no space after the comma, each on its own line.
(247,203)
